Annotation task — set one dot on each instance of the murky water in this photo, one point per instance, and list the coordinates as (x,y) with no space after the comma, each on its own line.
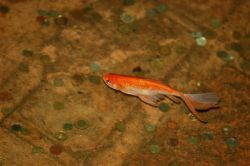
(56,110)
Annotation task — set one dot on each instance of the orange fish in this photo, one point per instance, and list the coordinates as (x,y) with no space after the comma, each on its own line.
(151,92)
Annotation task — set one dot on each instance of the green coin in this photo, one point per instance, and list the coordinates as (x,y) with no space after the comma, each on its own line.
(149,128)
(192,139)
(58,105)
(53,13)
(196,34)
(201,41)
(127,18)
(82,124)
(215,23)
(61,136)
(95,66)
(120,126)
(37,149)
(232,142)
(155,149)
(224,55)
(161,8)
(164,107)
(67,126)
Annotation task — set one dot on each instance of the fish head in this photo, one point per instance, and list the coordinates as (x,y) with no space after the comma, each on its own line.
(111,80)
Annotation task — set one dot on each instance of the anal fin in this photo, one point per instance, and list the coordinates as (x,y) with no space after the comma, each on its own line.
(174,99)
(152,99)
(149,100)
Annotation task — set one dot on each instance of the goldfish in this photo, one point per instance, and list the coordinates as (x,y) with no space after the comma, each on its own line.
(152,92)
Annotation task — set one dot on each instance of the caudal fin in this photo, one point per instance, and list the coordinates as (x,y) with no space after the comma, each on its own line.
(202,101)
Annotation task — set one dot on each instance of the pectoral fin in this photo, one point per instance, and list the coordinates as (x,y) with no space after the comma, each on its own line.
(130,91)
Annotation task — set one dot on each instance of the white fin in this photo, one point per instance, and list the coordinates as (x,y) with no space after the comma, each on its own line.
(152,99)
(149,100)
(206,98)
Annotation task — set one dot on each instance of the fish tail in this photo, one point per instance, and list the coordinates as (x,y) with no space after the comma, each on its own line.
(204,101)
(201,101)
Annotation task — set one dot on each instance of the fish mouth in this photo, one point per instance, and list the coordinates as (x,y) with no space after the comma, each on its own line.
(105,79)
(109,84)
(108,81)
